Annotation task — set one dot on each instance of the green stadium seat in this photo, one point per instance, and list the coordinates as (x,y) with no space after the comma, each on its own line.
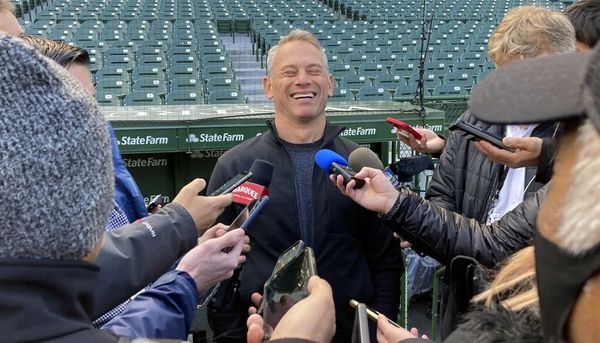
(222,83)
(355,82)
(146,71)
(389,81)
(153,61)
(142,98)
(107,98)
(460,76)
(225,97)
(373,93)
(113,73)
(118,88)
(119,61)
(187,83)
(150,84)
(405,92)
(212,71)
(449,90)
(342,94)
(371,70)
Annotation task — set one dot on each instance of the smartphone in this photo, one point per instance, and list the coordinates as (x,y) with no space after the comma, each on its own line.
(479,133)
(246,217)
(371,313)
(232,184)
(404,128)
(287,284)
(157,200)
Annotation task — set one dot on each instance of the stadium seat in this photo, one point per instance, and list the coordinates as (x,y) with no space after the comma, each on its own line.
(389,81)
(142,98)
(118,88)
(405,92)
(147,71)
(150,84)
(107,98)
(184,97)
(449,89)
(222,83)
(342,94)
(355,82)
(225,97)
(371,70)
(371,93)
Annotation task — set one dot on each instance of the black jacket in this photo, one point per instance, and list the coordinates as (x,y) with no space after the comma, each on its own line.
(465,180)
(355,253)
(443,234)
(50,301)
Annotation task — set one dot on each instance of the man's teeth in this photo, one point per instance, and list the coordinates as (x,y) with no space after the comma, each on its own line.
(304,95)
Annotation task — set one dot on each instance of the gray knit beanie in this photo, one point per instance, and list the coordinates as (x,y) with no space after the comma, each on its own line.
(56,187)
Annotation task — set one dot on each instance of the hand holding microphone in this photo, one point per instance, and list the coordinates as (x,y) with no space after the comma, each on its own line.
(332,163)
(378,193)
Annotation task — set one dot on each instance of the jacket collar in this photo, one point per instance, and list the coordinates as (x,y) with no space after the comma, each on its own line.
(45,298)
(330,133)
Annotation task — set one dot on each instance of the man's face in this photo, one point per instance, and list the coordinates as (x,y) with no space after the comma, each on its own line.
(9,23)
(82,74)
(299,83)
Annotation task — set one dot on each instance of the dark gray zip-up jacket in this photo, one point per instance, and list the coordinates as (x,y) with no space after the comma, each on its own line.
(355,252)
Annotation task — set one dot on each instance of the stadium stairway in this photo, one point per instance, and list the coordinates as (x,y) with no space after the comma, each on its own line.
(247,70)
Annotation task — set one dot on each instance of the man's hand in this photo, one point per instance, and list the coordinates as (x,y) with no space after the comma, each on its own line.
(378,194)
(527,151)
(204,210)
(207,264)
(387,333)
(430,142)
(218,231)
(312,318)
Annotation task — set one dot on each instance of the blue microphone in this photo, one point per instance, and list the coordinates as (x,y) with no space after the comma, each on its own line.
(332,163)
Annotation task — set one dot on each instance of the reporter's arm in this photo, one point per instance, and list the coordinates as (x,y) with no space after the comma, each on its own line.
(443,234)
(164,310)
(136,254)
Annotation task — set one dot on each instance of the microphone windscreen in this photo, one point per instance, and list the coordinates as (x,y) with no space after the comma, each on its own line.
(364,157)
(325,157)
(262,172)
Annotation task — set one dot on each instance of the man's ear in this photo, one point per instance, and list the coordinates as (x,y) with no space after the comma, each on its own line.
(267,87)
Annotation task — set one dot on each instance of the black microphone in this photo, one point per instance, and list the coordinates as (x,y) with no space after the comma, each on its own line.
(364,157)
(262,172)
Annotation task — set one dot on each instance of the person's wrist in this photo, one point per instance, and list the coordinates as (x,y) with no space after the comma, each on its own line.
(391,207)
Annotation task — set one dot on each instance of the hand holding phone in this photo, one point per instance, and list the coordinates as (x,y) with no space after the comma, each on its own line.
(154,203)
(372,314)
(477,132)
(403,128)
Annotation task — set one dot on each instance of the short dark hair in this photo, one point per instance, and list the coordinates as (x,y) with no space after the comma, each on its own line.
(585,17)
(60,52)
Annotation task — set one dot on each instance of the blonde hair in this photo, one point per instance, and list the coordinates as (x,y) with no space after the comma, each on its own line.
(7,5)
(294,36)
(514,286)
(579,230)
(530,30)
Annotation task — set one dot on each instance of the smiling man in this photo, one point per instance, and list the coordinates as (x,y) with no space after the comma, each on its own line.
(354,252)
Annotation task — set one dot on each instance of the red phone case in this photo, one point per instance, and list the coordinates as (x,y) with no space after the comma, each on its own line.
(400,125)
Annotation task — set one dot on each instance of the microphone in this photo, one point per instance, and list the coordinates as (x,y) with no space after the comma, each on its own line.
(332,163)
(262,172)
(364,157)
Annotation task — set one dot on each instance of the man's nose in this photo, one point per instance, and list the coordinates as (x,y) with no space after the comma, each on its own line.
(303,78)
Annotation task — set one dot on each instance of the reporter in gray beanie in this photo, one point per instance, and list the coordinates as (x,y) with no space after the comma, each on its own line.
(57,185)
